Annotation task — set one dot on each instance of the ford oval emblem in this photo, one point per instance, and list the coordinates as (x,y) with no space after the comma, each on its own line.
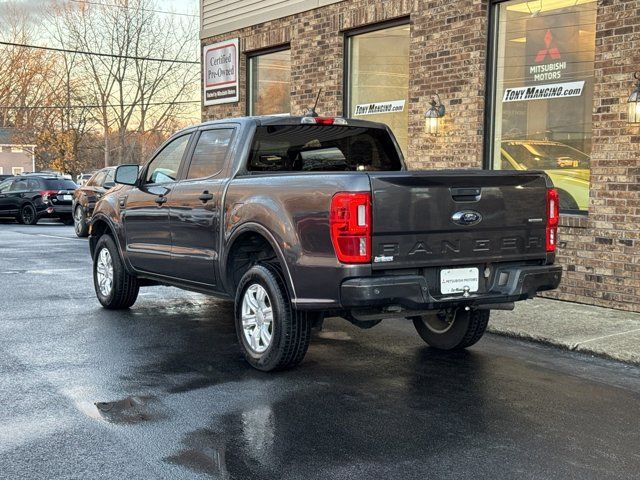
(466,218)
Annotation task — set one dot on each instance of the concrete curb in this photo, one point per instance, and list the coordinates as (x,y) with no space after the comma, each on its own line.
(564,346)
(597,331)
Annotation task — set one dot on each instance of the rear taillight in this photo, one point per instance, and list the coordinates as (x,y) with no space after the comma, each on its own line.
(350,225)
(46,194)
(553,213)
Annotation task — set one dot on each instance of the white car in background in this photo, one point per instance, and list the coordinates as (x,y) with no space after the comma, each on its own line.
(83,178)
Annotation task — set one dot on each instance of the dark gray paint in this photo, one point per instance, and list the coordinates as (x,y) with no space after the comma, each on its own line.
(291,211)
(195,226)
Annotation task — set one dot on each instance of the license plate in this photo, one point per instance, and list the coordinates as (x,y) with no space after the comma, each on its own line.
(459,280)
(66,197)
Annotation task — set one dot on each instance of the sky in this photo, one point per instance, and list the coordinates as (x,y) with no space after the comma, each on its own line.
(178,6)
(35,9)
(189,6)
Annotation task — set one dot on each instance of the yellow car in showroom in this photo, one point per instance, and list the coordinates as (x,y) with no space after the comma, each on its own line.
(567,167)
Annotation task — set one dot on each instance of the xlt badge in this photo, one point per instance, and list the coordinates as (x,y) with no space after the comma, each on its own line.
(466,217)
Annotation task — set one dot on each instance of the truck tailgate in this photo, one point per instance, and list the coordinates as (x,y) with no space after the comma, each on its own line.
(440,218)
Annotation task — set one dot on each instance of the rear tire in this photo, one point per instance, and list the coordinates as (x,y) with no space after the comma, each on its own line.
(272,335)
(454,331)
(115,288)
(28,215)
(80,222)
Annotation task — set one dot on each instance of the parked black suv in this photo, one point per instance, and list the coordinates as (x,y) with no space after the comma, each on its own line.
(28,198)
(86,196)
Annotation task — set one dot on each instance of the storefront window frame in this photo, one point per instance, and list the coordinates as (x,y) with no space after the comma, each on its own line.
(404,21)
(491,82)
(249,56)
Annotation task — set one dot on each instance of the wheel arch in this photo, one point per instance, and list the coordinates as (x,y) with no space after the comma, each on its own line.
(100,225)
(251,232)
(27,201)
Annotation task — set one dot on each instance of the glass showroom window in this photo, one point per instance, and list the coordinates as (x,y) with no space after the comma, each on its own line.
(544,90)
(378,78)
(270,83)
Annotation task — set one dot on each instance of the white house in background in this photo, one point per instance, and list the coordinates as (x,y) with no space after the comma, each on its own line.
(16,156)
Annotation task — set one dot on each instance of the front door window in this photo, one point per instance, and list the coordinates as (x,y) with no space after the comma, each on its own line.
(165,166)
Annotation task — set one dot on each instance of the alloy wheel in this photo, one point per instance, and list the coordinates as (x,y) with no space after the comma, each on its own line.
(257,318)
(104,272)
(27,214)
(439,323)
(78,218)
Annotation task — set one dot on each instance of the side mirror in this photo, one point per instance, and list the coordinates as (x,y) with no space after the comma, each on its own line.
(108,185)
(126,174)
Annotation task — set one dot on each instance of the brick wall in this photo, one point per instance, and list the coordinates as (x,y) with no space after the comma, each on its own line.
(448,56)
(446,36)
(601,254)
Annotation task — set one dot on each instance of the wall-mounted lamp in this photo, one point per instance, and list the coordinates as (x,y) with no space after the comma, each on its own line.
(433,115)
(634,101)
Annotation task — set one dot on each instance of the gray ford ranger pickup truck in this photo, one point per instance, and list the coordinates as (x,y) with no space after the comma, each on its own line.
(301,218)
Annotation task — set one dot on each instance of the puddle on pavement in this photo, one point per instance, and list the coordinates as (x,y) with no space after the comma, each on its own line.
(128,411)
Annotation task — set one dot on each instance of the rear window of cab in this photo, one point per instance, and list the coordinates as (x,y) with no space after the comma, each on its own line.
(59,184)
(322,148)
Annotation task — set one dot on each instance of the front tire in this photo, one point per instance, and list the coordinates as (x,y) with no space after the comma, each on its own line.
(80,222)
(452,330)
(271,334)
(115,288)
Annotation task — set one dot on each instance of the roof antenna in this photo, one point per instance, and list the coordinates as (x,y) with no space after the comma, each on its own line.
(311,112)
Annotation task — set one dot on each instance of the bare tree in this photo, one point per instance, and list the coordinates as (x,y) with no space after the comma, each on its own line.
(133,90)
(117,72)
(25,93)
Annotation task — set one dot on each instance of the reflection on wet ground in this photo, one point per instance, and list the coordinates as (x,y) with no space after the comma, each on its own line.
(162,391)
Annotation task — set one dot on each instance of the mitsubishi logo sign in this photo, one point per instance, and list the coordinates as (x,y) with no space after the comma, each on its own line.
(553,52)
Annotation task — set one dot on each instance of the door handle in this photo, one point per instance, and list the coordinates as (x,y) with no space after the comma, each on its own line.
(206,196)
(466,194)
(161,200)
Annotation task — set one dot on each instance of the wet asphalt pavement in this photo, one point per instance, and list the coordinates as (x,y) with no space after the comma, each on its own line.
(161,391)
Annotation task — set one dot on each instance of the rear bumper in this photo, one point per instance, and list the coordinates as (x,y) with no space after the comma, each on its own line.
(510,284)
(49,210)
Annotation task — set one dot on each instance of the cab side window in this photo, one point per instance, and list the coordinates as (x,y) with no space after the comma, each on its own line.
(19,185)
(109,179)
(164,167)
(210,153)
(4,186)
(98,179)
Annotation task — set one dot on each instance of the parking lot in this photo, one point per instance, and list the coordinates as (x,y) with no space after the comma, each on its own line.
(161,391)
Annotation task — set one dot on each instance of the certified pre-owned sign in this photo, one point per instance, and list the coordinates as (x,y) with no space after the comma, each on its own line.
(543,92)
(220,65)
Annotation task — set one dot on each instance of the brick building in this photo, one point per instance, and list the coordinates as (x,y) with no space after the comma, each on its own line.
(526,84)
